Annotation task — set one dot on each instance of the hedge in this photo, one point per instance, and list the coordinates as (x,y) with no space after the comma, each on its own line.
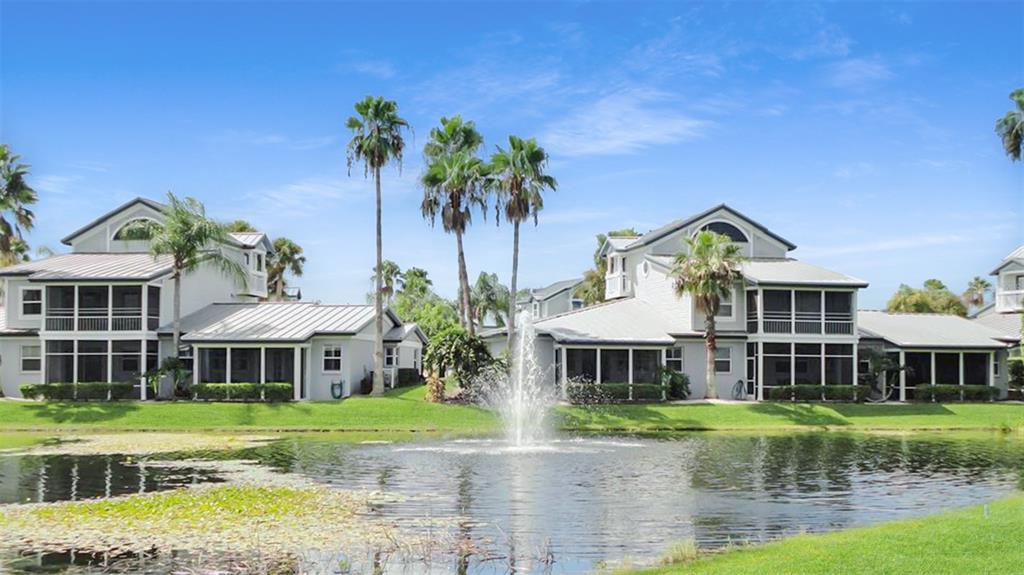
(811,392)
(945,393)
(243,391)
(585,392)
(79,392)
(408,376)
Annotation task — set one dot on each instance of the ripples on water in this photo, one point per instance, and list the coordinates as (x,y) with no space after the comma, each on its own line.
(601,499)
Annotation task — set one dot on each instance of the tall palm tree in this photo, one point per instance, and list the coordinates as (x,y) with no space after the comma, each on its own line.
(707,270)
(490,297)
(518,175)
(287,257)
(240,226)
(191,240)
(15,197)
(1011,127)
(376,141)
(974,295)
(452,186)
(391,278)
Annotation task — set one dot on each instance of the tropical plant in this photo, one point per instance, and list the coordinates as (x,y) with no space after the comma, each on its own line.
(458,353)
(15,215)
(453,185)
(191,240)
(591,290)
(391,277)
(287,258)
(489,298)
(974,295)
(707,270)
(416,302)
(376,142)
(519,177)
(240,226)
(1011,127)
(934,297)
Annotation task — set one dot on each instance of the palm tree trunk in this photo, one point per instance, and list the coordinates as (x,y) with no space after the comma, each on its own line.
(166,389)
(512,288)
(378,339)
(464,301)
(710,345)
(279,287)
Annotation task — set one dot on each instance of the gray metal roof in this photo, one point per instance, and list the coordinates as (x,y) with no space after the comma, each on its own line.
(146,201)
(253,239)
(1007,324)
(927,330)
(657,234)
(12,331)
(273,321)
(627,320)
(1016,256)
(400,333)
(88,266)
(555,288)
(794,272)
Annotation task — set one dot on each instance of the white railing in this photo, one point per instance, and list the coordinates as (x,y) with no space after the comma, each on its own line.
(94,319)
(1009,301)
(617,285)
(808,323)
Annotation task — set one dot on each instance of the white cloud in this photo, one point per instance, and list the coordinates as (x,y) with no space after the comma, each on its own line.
(855,170)
(858,73)
(380,69)
(98,167)
(573,216)
(52,183)
(621,123)
(253,138)
(881,246)
(312,195)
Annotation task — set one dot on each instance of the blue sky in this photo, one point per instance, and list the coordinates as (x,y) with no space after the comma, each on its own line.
(861,132)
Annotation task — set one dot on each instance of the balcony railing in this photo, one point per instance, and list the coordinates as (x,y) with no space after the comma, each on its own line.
(1009,301)
(807,323)
(94,319)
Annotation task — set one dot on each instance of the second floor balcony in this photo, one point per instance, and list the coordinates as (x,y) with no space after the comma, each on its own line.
(800,312)
(1009,301)
(101,308)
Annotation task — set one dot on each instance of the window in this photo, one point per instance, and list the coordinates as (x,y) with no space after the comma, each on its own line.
(674,359)
(246,256)
(995,365)
(417,358)
(645,365)
(92,361)
(577,303)
(259,262)
(726,229)
(31,302)
(611,265)
(332,358)
(390,356)
(614,366)
(725,306)
(723,360)
(60,361)
(1019,283)
(31,358)
(581,364)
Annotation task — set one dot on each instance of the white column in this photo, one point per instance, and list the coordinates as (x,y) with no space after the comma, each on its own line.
(903,375)
(195,364)
(992,368)
(822,318)
(630,368)
(760,370)
(74,312)
(297,375)
(263,365)
(597,356)
(144,357)
(74,360)
(227,364)
(931,355)
(144,313)
(856,366)
(664,392)
(110,361)
(110,307)
(565,368)
(821,355)
(961,375)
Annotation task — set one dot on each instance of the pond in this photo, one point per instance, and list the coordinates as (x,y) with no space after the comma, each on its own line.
(580,502)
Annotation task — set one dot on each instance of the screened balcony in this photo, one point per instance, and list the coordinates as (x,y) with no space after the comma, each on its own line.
(96,308)
(800,312)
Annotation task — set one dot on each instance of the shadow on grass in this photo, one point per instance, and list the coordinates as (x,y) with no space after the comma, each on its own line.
(621,417)
(61,412)
(799,414)
(889,410)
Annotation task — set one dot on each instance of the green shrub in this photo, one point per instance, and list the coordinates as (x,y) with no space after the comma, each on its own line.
(122,390)
(844,392)
(947,393)
(243,391)
(31,390)
(93,390)
(811,392)
(620,391)
(407,377)
(678,383)
(278,392)
(84,391)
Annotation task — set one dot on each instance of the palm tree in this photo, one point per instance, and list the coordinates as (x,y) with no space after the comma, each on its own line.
(452,186)
(240,226)
(591,290)
(15,197)
(191,240)
(490,297)
(518,175)
(974,295)
(707,270)
(287,257)
(392,279)
(376,141)
(1011,126)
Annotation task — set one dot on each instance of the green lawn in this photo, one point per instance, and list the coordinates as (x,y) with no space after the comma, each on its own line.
(405,410)
(960,541)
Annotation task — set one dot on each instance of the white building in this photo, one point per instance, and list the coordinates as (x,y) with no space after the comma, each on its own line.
(785,322)
(554,299)
(103,313)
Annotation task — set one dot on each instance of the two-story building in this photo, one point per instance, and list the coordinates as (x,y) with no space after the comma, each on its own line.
(103,313)
(559,297)
(785,322)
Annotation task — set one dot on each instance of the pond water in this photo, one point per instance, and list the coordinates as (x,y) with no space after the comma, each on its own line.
(576,503)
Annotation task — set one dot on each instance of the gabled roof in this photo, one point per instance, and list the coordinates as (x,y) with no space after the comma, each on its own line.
(659,233)
(1016,256)
(400,333)
(144,201)
(13,331)
(625,321)
(555,288)
(927,330)
(1007,324)
(132,266)
(786,271)
(253,239)
(292,322)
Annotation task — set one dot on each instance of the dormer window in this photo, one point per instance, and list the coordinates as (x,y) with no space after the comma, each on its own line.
(120,233)
(728,230)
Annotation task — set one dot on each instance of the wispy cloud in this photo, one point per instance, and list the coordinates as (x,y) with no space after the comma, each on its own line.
(858,73)
(891,245)
(623,122)
(313,194)
(855,170)
(98,167)
(574,216)
(53,183)
(253,138)
(380,69)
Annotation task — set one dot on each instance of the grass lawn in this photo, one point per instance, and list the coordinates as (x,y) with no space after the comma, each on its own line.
(960,541)
(405,410)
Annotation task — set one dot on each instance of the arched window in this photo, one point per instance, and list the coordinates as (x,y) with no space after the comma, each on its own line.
(119,234)
(726,229)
